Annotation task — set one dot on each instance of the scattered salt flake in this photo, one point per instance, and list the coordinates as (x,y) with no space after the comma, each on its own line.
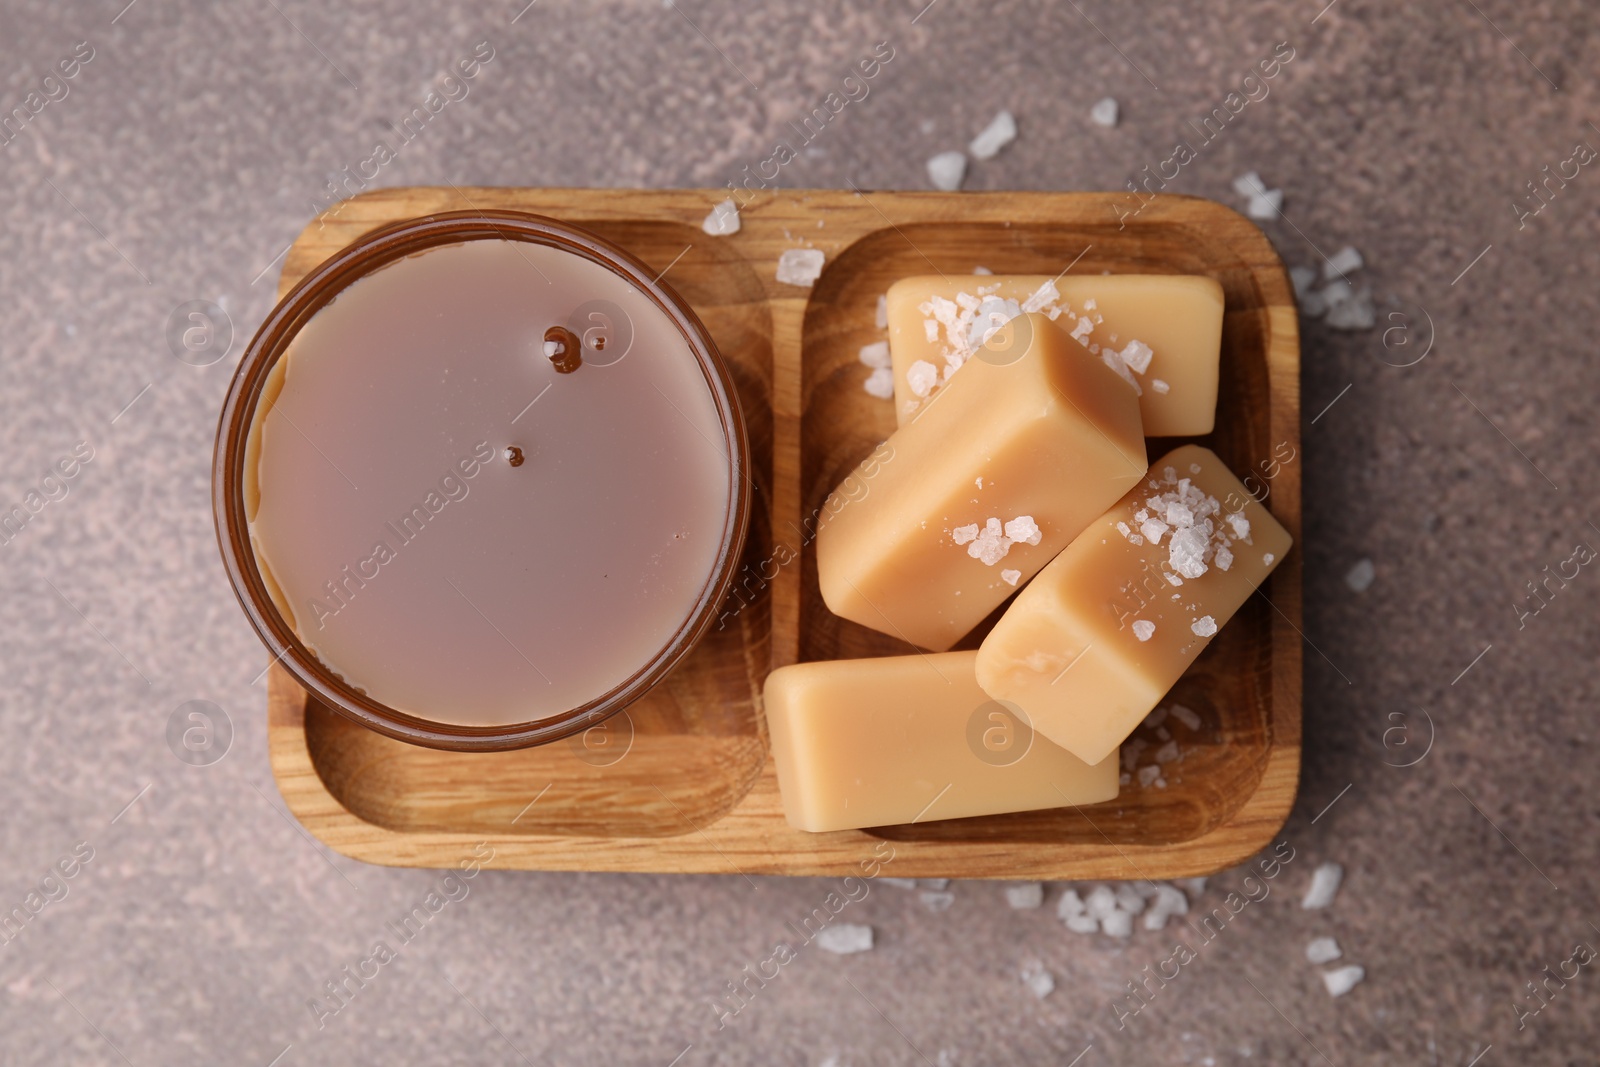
(1117,924)
(1265,206)
(1152,529)
(1335,293)
(1324,886)
(1341,263)
(1360,577)
(1011,577)
(1001,131)
(1104,112)
(1238,524)
(880,317)
(723,220)
(1153,720)
(1186,552)
(1143,629)
(1167,752)
(843,939)
(880,383)
(1249,184)
(1101,901)
(1023,530)
(1114,361)
(1148,775)
(1186,716)
(1041,298)
(1223,559)
(1069,905)
(991,545)
(946,170)
(1356,313)
(1038,981)
(876,355)
(937,901)
(1128,898)
(1204,626)
(1081,332)
(1303,278)
(1137,356)
(922,376)
(962,534)
(1159,386)
(1341,980)
(800,266)
(1323,950)
(1024,895)
(930,330)
(1082,924)
(982,270)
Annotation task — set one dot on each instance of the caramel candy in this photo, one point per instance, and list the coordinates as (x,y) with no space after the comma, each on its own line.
(880,742)
(1098,638)
(1165,331)
(1033,440)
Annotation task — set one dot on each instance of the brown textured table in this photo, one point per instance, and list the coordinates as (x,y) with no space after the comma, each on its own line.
(179,161)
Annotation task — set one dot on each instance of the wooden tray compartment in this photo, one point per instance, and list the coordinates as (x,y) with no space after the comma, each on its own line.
(695,789)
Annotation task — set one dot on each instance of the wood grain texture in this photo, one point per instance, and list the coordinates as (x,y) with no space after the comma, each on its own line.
(694,789)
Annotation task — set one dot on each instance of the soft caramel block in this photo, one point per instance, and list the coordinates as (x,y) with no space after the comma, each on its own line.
(1166,330)
(1031,442)
(1095,641)
(881,742)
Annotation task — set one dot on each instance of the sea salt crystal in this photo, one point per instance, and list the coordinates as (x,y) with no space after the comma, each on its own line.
(1303,278)
(880,317)
(1239,524)
(1114,361)
(1341,980)
(1356,313)
(876,355)
(946,170)
(880,383)
(1265,206)
(1204,626)
(1186,716)
(930,330)
(1023,530)
(1001,131)
(1117,924)
(991,545)
(1041,297)
(1143,629)
(1070,904)
(843,939)
(1187,551)
(1101,901)
(1267,558)
(1324,886)
(1360,577)
(962,534)
(1167,753)
(1179,515)
(1223,559)
(922,376)
(1025,895)
(1104,112)
(1148,775)
(982,270)
(1082,924)
(1082,330)
(1137,356)
(1341,263)
(1038,981)
(900,883)
(1154,719)
(937,901)
(1335,293)
(723,220)
(1128,898)
(800,266)
(1157,385)
(1249,184)
(1011,577)
(1323,950)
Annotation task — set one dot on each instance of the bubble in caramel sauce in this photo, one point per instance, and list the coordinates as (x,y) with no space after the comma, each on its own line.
(563,349)
(513,455)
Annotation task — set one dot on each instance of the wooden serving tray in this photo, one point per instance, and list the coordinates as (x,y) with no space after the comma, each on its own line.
(694,789)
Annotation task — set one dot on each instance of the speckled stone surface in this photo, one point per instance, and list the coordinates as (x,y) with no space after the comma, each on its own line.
(195,143)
